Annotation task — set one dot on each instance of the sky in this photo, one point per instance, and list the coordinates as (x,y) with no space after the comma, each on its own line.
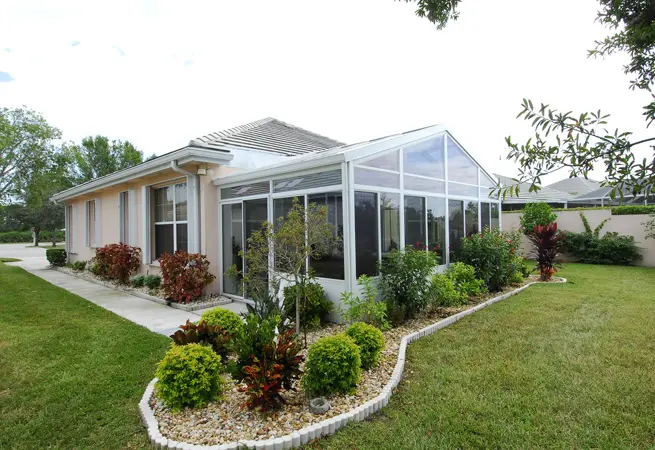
(160,73)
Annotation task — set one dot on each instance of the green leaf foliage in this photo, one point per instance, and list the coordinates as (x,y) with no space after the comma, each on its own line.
(314,305)
(536,214)
(224,318)
(464,280)
(333,366)
(56,256)
(633,209)
(137,281)
(365,308)
(444,293)
(78,266)
(370,341)
(152,281)
(189,375)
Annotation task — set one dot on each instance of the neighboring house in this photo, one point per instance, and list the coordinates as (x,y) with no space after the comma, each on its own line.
(575,186)
(415,188)
(546,194)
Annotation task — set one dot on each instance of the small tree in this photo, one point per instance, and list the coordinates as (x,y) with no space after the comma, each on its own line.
(548,242)
(279,252)
(536,214)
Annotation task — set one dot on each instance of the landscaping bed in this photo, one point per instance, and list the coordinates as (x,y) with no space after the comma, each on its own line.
(225,420)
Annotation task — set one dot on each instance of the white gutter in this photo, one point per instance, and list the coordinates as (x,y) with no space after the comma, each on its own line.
(193,206)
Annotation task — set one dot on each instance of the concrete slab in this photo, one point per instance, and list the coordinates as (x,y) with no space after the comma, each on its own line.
(154,316)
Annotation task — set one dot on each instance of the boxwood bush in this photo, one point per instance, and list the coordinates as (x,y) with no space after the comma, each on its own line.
(56,256)
(78,266)
(314,304)
(612,248)
(152,281)
(370,341)
(189,375)
(333,366)
(224,318)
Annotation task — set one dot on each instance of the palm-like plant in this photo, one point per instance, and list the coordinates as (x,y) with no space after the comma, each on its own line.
(548,243)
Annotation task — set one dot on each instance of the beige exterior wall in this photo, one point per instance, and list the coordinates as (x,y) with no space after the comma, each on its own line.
(570,221)
(109,216)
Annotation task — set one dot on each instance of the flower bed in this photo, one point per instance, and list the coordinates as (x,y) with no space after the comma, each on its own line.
(225,421)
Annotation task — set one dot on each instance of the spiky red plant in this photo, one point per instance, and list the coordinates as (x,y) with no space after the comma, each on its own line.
(548,242)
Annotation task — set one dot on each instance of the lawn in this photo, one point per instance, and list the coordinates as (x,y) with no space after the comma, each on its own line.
(5,260)
(72,372)
(559,366)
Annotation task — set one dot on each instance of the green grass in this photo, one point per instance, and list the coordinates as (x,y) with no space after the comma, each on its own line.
(72,372)
(46,246)
(4,260)
(557,366)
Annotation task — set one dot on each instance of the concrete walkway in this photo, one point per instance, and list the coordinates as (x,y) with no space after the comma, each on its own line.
(154,316)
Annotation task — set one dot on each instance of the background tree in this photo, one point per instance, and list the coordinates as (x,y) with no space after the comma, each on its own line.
(577,143)
(26,145)
(279,252)
(97,156)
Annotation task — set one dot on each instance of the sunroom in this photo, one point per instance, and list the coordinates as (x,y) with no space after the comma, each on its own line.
(419,188)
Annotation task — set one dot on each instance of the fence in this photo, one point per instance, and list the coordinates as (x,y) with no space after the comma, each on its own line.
(631,225)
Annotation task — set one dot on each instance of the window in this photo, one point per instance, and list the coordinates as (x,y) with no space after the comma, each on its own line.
(255,213)
(371,177)
(437,227)
(232,245)
(388,161)
(245,190)
(366,234)
(424,184)
(495,215)
(124,217)
(390,226)
(462,189)
(309,181)
(170,219)
(69,228)
(485,216)
(455,227)
(426,158)
(331,264)
(471,218)
(91,223)
(415,222)
(460,167)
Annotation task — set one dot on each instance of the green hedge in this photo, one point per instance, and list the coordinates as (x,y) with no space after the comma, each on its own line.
(633,209)
(9,237)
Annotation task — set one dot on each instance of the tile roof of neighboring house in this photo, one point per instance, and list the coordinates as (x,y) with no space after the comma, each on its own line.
(270,135)
(545,194)
(575,186)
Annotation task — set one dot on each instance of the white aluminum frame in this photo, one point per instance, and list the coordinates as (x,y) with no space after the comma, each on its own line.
(174,222)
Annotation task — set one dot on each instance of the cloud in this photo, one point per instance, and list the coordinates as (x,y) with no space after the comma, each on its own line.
(75,43)
(8,50)
(188,62)
(5,77)
(119,50)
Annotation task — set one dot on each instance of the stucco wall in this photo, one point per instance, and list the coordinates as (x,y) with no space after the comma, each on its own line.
(570,221)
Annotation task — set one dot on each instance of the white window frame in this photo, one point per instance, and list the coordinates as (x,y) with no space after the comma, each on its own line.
(124,233)
(174,222)
(91,243)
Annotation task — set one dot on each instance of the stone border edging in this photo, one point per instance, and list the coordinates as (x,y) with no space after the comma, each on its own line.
(184,307)
(328,426)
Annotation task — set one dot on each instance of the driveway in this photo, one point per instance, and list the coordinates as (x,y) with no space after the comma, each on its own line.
(154,316)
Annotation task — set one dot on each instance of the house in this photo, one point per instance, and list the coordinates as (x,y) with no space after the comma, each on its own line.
(414,188)
(546,194)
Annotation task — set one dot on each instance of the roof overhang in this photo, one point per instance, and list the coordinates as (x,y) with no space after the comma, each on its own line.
(182,156)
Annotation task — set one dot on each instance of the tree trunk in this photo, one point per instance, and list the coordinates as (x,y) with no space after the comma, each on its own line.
(54,238)
(36,231)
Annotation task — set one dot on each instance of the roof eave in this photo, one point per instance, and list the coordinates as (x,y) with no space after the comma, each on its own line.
(183,156)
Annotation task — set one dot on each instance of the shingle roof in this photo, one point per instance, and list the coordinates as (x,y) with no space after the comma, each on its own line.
(575,185)
(270,135)
(545,194)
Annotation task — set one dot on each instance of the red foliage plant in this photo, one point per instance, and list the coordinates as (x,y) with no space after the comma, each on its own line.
(277,369)
(203,333)
(184,275)
(117,262)
(548,242)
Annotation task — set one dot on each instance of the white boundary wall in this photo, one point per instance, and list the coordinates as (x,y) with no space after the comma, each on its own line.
(570,221)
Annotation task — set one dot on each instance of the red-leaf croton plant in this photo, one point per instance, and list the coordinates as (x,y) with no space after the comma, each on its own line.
(117,262)
(184,275)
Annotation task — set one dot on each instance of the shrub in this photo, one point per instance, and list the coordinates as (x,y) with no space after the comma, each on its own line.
(56,256)
(404,280)
(333,366)
(370,341)
(203,333)
(277,369)
(547,242)
(314,305)
(189,375)
(251,339)
(494,255)
(267,306)
(633,209)
(17,237)
(463,277)
(185,275)
(444,293)
(117,262)
(366,308)
(224,318)
(152,281)
(137,281)
(536,214)
(78,266)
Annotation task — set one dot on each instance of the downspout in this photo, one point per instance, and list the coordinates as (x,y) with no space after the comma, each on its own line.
(195,243)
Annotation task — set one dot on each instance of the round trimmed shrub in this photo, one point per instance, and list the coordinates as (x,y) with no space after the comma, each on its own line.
(333,365)
(189,375)
(224,318)
(370,341)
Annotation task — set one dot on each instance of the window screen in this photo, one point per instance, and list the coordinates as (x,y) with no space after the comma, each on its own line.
(310,181)
(245,190)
